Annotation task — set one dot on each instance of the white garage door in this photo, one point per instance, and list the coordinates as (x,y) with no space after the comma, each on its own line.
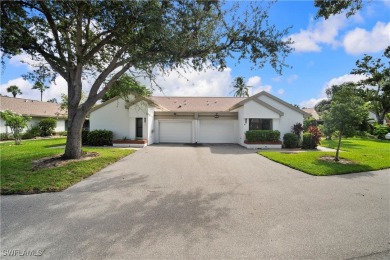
(175,132)
(217,131)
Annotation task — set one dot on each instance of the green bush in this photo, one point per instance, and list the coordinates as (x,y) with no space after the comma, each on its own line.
(28,135)
(380,131)
(262,135)
(307,141)
(290,140)
(84,137)
(312,138)
(32,132)
(99,137)
(47,126)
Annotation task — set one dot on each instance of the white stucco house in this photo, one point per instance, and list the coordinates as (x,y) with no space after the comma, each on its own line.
(35,109)
(194,119)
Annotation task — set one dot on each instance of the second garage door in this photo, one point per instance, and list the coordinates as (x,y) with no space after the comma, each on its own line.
(175,132)
(217,131)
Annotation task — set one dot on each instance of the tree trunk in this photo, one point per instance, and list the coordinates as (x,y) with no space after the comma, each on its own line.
(338,148)
(73,141)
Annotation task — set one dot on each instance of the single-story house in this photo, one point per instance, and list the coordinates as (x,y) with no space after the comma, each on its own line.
(313,113)
(37,110)
(161,119)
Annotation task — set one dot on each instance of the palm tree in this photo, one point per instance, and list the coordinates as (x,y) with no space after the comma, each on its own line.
(39,85)
(14,90)
(240,89)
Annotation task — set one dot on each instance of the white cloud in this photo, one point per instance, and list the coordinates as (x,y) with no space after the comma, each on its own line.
(310,103)
(292,78)
(281,91)
(360,41)
(321,32)
(254,81)
(343,79)
(25,86)
(26,60)
(209,82)
(387,3)
(334,81)
(256,85)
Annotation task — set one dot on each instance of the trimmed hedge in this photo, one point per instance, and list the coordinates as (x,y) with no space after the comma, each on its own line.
(290,140)
(262,135)
(84,137)
(99,137)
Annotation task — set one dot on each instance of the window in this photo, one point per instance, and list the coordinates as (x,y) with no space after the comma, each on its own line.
(260,124)
(138,127)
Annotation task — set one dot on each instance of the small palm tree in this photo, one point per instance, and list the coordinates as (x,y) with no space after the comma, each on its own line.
(14,90)
(240,89)
(39,85)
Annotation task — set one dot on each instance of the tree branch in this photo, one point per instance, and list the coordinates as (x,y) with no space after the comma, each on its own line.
(53,27)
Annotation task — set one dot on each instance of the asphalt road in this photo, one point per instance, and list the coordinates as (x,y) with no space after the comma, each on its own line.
(216,202)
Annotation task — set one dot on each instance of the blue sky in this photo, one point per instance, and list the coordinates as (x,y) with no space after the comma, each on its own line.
(325,53)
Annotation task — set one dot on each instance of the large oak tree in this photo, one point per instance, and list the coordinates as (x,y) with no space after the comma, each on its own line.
(375,88)
(104,39)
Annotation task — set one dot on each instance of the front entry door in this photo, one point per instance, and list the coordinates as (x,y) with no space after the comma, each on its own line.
(138,127)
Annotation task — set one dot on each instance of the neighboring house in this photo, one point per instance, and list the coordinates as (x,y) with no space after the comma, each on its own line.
(37,110)
(313,113)
(194,119)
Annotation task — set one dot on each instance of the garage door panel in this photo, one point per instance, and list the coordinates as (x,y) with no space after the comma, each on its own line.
(217,131)
(175,131)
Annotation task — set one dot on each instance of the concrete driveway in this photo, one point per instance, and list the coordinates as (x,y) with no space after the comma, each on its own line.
(216,202)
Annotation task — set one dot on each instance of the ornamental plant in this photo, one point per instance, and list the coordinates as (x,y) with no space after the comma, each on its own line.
(47,126)
(315,135)
(16,122)
(297,129)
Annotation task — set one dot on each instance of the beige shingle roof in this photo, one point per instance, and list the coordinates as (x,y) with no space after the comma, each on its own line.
(30,107)
(196,104)
(312,112)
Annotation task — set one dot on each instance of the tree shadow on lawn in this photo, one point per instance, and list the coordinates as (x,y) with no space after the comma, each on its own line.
(94,228)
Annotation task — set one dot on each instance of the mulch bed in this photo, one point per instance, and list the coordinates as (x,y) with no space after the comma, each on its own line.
(331,159)
(57,160)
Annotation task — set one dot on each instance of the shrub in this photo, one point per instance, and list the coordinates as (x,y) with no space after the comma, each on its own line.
(312,138)
(84,137)
(309,122)
(307,141)
(297,129)
(262,135)
(380,131)
(99,137)
(47,126)
(28,135)
(16,122)
(315,135)
(290,140)
(32,132)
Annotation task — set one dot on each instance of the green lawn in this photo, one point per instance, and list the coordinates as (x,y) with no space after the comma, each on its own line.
(18,176)
(366,155)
